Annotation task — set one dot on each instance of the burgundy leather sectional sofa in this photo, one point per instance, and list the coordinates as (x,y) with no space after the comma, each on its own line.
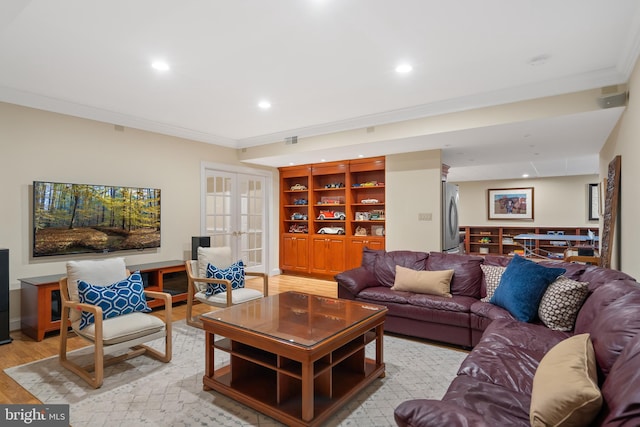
(495,382)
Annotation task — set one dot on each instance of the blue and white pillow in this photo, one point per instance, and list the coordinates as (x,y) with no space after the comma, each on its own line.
(234,273)
(123,297)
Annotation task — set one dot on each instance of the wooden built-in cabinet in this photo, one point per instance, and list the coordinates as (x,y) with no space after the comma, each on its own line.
(488,240)
(333,209)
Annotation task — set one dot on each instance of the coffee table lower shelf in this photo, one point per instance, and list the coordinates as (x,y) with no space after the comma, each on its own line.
(273,384)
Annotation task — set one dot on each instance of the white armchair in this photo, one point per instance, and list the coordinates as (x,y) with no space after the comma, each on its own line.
(114,334)
(198,283)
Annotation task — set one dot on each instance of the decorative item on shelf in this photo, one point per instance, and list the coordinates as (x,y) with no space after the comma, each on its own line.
(298,187)
(331,215)
(507,240)
(361,231)
(296,216)
(377,230)
(483,250)
(484,240)
(362,216)
(369,201)
(298,228)
(377,214)
(334,185)
(300,202)
(331,230)
(331,200)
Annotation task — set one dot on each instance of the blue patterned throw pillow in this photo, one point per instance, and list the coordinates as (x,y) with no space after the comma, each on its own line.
(123,297)
(234,273)
(522,286)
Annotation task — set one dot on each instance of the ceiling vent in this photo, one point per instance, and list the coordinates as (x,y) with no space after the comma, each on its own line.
(291,140)
(611,96)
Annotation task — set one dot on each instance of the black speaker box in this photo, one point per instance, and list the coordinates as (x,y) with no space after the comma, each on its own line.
(199,241)
(4,297)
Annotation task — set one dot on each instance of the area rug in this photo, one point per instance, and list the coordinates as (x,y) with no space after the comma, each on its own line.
(145,392)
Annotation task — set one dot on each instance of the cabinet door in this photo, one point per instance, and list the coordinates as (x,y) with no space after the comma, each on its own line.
(355,247)
(328,255)
(295,253)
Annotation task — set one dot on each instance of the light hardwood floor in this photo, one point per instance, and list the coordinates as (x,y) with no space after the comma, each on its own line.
(24,349)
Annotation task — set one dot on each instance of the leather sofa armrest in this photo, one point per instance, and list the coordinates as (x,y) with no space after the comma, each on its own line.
(356,279)
(436,413)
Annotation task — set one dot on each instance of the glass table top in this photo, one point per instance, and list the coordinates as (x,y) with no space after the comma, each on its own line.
(295,317)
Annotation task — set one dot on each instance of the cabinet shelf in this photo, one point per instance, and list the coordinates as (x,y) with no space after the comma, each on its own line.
(345,250)
(504,242)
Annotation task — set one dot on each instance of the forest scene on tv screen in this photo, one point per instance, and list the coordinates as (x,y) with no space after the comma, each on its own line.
(79,218)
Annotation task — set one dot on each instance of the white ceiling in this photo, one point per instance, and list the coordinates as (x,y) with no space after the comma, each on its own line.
(328,66)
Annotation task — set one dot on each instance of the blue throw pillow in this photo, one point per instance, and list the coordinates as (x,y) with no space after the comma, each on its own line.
(522,286)
(234,273)
(123,297)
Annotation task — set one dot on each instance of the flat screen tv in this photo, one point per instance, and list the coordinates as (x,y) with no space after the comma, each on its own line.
(83,218)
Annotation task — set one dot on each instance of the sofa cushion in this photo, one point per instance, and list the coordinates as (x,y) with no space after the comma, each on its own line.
(521,287)
(382,294)
(602,295)
(423,282)
(491,275)
(560,303)
(620,390)
(369,257)
(385,264)
(467,276)
(490,311)
(613,328)
(468,402)
(565,385)
(509,354)
(573,270)
(454,303)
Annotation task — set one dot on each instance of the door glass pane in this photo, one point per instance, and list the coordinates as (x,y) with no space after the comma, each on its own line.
(234,214)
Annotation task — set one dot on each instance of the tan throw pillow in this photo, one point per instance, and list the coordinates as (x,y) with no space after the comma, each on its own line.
(423,282)
(565,386)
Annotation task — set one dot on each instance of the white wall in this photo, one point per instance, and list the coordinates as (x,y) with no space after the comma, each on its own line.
(557,202)
(39,145)
(625,141)
(413,186)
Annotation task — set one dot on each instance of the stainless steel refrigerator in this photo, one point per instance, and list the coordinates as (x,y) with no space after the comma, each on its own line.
(450,227)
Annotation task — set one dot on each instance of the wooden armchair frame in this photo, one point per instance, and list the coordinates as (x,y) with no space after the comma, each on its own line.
(192,290)
(94,374)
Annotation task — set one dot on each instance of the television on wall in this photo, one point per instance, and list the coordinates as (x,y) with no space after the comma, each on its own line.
(84,218)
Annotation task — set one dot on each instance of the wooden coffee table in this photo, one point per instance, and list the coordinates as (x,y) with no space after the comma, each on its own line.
(294,357)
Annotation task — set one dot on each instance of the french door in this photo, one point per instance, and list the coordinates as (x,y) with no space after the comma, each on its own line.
(235,214)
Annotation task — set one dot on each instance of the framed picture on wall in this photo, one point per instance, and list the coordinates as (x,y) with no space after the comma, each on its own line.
(510,203)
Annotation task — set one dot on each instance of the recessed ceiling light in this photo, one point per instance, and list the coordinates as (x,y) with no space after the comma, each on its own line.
(265,105)
(323,160)
(160,65)
(525,175)
(360,155)
(404,68)
(291,163)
